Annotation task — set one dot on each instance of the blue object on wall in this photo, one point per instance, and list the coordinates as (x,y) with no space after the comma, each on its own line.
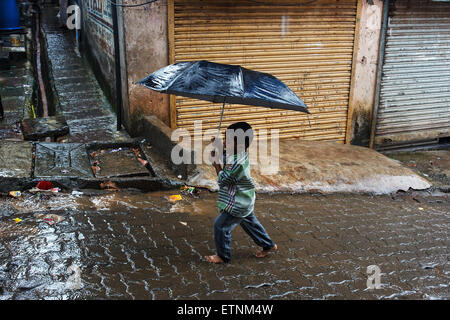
(9,15)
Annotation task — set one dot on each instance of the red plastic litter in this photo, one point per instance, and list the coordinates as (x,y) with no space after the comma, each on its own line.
(49,221)
(44,185)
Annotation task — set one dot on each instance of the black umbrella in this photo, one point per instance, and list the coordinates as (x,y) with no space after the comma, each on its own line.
(224,83)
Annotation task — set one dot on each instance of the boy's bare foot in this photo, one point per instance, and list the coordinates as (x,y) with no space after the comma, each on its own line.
(214,259)
(263,253)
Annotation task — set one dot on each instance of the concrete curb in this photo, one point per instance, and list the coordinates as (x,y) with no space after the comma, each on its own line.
(158,134)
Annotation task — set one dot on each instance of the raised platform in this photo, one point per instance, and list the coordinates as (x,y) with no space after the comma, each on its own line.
(309,166)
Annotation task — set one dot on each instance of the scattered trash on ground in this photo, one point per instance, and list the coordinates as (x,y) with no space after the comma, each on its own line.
(115,150)
(175,197)
(39,191)
(183,223)
(17,220)
(95,169)
(192,191)
(50,219)
(136,152)
(15,194)
(109,185)
(94,154)
(95,164)
(139,156)
(143,162)
(44,185)
(76,193)
(187,189)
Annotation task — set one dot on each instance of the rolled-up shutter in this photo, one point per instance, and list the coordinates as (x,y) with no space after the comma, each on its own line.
(306,44)
(415,84)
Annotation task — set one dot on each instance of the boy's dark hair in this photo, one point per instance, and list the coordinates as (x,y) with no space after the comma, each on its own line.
(247,130)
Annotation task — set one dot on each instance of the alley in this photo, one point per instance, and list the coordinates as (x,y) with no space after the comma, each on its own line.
(79,95)
(129,245)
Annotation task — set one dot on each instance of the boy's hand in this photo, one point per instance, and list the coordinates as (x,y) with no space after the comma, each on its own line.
(217,166)
(213,157)
(215,162)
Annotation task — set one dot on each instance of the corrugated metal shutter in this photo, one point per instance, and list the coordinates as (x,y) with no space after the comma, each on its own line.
(308,45)
(415,87)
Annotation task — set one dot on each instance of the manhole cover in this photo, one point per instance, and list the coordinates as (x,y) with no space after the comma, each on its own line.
(62,160)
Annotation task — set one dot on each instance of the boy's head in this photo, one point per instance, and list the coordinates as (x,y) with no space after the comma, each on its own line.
(240,134)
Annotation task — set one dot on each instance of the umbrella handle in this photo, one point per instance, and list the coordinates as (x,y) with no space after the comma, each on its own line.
(218,129)
(221,117)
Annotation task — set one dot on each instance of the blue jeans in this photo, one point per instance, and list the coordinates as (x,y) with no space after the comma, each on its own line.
(225,223)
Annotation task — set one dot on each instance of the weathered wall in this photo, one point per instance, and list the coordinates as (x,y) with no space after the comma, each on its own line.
(98,37)
(364,82)
(146,50)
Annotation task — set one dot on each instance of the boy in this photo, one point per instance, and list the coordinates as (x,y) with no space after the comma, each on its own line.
(237,196)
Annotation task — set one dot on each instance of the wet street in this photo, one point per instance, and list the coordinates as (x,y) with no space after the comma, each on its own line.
(132,245)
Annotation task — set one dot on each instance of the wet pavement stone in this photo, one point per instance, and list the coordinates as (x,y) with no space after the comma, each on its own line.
(120,162)
(132,246)
(20,164)
(39,128)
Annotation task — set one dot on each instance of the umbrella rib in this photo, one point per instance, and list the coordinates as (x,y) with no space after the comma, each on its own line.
(241,74)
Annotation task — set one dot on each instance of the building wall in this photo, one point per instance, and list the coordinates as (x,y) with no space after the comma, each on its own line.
(144,40)
(146,50)
(98,41)
(365,73)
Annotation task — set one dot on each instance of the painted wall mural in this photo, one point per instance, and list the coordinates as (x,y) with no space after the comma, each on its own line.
(100,24)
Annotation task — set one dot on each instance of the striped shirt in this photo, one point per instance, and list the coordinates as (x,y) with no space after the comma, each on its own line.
(236,188)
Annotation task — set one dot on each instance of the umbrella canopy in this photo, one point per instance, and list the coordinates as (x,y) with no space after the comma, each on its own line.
(205,80)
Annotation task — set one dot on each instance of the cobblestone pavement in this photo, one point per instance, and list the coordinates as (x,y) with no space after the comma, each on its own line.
(129,245)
